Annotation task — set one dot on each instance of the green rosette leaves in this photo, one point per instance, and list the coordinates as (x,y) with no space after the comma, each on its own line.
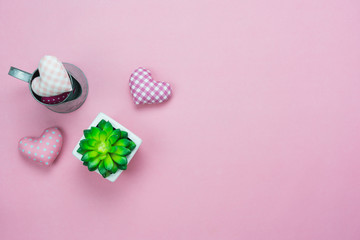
(105,149)
(114,136)
(101,124)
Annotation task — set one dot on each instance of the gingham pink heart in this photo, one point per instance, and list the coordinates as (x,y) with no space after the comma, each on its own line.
(54,79)
(145,90)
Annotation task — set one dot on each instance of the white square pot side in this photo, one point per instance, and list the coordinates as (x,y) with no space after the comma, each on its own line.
(115,124)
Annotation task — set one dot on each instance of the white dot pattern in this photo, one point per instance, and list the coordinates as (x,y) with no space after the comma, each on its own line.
(38,151)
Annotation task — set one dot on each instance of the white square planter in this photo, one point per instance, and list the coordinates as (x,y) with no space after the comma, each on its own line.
(115,124)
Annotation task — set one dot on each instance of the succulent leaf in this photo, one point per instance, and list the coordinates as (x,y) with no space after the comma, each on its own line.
(122,151)
(108,162)
(123,134)
(114,169)
(131,146)
(108,128)
(101,124)
(102,168)
(103,136)
(93,164)
(87,133)
(107,174)
(124,142)
(120,160)
(114,136)
(89,155)
(92,142)
(87,144)
(123,167)
(81,151)
(95,133)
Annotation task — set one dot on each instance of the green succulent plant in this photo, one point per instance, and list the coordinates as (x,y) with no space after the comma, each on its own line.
(105,148)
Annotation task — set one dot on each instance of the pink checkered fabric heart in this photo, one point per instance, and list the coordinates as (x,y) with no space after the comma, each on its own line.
(145,90)
(54,79)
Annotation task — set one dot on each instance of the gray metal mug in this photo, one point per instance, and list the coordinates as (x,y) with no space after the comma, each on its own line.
(75,98)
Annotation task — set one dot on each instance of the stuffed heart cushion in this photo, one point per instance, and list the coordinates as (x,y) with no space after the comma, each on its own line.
(53,80)
(145,90)
(42,150)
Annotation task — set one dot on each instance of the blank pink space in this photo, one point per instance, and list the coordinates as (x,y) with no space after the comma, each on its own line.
(260,140)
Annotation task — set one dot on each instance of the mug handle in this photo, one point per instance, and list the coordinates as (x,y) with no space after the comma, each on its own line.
(20,74)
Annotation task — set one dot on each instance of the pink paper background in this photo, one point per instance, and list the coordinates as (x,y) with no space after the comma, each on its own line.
(260,140)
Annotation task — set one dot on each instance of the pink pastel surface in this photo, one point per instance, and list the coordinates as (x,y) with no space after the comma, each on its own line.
(259,141)
(42,150)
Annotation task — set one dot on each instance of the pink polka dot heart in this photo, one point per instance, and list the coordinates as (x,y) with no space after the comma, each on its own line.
(145,90)
(42,150)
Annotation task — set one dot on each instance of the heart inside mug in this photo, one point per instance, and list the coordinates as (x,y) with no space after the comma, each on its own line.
(69,96)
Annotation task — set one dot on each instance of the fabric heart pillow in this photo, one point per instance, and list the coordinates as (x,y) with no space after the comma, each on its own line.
(145,90)
(53,80)
(42,150)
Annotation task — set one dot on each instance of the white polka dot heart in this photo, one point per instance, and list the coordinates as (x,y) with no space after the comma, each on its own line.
(42,150)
